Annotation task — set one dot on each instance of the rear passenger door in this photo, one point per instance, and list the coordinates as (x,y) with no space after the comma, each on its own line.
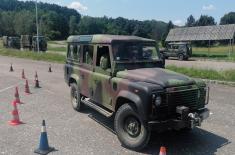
(86,70)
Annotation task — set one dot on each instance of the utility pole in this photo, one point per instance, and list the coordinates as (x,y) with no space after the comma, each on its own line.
(36,5)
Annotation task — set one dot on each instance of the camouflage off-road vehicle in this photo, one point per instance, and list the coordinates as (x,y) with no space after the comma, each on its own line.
(42,43)
(123,76)
(181,50)
(11,42)
(4,41)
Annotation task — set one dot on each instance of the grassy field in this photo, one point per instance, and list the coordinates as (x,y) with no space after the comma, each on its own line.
(51,57)
(57,46)
(228,75)
(218,52)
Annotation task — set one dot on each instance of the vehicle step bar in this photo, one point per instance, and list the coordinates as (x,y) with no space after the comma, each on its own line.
(92,105)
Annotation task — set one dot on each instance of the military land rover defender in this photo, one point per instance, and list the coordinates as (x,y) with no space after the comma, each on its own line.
(124,77)
(180,50)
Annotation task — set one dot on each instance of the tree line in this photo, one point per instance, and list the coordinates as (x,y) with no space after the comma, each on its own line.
(57,22)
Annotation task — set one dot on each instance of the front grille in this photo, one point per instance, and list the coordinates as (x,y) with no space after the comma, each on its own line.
(189,98)
(180,96)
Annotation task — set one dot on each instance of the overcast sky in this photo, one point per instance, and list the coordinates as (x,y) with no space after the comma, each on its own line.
(165,10)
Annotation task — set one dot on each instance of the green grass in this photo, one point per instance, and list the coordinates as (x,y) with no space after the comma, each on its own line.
(51,57)
(57,46)
(216,52)
(228,75)
(56,49)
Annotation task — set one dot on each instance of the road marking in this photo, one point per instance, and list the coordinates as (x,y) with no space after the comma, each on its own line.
(5,89)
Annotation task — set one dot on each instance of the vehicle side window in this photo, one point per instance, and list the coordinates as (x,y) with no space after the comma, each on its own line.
(88,54)
(103,57)
(70,54)
(74,52)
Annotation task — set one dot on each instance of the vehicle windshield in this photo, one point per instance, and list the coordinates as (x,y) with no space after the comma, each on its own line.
(135,52)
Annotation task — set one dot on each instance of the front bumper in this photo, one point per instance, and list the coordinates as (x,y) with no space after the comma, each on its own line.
(185,120)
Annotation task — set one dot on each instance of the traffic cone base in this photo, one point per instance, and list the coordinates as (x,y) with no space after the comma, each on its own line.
(17,101)
(44,152)
(16,119)
(28,93)
(37,85)
(15,122)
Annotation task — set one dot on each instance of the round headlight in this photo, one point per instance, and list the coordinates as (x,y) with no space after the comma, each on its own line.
(158,101)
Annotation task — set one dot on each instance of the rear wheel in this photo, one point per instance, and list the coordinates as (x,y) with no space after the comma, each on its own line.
(75,97)
(181,57)
(130,129)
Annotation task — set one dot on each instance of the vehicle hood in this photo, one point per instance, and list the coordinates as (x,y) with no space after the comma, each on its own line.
(159,76)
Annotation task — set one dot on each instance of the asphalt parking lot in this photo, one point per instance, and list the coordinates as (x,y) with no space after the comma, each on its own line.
(88,132)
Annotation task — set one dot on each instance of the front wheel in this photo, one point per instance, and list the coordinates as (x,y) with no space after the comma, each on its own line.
(130,129)
(75,97)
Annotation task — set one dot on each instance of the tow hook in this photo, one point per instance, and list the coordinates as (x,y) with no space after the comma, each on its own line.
(195,120)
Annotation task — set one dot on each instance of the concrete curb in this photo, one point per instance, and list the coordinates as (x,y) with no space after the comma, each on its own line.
(219,82)
(213,60)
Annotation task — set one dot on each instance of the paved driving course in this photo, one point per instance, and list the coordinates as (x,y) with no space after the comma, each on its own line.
(88,132)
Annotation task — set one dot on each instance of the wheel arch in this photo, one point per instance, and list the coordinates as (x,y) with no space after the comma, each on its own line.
(132,99)
(73,79)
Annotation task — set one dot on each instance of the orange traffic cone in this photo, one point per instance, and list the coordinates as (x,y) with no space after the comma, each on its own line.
(16,119)
(50,70)
(17,96)
(23,75)
(11,68)
(162,151)
(36,81)
(27,91)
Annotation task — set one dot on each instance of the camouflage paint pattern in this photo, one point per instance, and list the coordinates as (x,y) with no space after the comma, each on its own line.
(117,85)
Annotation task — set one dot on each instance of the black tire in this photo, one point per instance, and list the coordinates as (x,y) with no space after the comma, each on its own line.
(186,58)
(127,119)
(181,57)
(75,97)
